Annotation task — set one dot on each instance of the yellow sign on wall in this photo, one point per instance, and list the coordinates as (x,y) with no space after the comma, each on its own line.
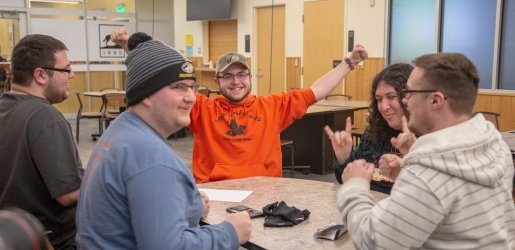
(188,40)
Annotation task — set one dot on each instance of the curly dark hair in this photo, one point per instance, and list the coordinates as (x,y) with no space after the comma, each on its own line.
(395,75)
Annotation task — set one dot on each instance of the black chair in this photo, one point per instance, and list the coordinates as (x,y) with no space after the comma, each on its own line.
(357,133)
(289,144)
(87,115)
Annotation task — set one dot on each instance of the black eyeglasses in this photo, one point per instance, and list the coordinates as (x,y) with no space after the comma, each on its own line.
(67,70)
(407,92)
(183,88)
(240,76)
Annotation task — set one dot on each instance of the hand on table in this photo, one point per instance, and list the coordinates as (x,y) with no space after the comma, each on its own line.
(405,139)
(205,201)
(358,169)
(341,141)
(242,224)
(390,166)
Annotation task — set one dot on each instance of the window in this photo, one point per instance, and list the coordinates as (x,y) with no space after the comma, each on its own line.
(466,26)
(408,41)
(507,53)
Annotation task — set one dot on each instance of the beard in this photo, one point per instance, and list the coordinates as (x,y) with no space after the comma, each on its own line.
(56,93)
(236,100)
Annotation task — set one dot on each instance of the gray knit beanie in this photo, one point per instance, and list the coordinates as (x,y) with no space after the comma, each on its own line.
(152,65)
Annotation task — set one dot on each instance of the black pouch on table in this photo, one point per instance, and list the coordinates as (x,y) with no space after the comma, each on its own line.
(278,214)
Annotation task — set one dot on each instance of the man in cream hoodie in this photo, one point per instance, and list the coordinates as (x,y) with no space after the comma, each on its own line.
(454,187)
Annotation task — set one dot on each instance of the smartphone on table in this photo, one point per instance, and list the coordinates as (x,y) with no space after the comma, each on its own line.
(252,212)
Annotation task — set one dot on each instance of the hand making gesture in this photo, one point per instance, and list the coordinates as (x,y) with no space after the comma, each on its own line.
(405,139)
(341,141)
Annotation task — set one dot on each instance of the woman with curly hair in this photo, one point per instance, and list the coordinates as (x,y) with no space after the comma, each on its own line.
(385,121)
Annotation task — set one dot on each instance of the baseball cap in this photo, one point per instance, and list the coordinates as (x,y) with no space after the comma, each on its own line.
(229,59)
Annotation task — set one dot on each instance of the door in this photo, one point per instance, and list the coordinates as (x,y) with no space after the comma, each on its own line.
(9,36)
(323,38)
(270,76)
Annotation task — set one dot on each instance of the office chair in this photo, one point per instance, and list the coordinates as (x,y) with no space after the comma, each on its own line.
(86,115)
(289,144)
(356,134)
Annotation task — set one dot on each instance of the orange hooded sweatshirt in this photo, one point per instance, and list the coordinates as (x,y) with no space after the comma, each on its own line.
(241,140)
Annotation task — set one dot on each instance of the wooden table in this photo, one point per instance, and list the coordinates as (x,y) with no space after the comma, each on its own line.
(312,147)
(318,197)
(101,94)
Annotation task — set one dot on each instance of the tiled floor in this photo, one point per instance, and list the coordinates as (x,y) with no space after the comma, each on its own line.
(182,146)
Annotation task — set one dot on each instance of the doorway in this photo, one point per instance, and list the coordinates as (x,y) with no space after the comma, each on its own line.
(323,38)
(271,60)
(9,36)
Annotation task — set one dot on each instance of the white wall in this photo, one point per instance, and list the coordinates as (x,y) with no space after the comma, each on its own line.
(367,22)
(183,27)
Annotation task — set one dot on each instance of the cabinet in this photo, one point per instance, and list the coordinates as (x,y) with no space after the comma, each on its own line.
(206,77)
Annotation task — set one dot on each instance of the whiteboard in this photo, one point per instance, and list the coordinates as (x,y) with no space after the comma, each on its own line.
(70,32)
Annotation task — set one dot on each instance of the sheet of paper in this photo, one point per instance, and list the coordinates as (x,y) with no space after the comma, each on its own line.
(226,195)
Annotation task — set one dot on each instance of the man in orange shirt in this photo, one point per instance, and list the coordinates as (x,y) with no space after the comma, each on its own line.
(237,134)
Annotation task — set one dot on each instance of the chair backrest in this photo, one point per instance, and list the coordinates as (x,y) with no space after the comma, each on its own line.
(115,103)
(80,103)
(204,90)
(340,96)
(491,116)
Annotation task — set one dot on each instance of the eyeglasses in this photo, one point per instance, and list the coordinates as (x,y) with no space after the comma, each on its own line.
(240,76)
(407,92)
(183,88)
(67,70)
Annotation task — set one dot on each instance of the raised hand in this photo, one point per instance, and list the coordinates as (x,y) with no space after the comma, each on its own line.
(405,139)
(120,36)
(359,53)
(341,141)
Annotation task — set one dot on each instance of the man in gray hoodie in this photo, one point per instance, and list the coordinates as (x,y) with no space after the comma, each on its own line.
(454,187)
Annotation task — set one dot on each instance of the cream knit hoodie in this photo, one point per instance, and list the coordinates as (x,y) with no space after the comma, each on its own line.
(453,192)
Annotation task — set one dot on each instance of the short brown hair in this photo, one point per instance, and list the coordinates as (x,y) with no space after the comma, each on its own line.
(31,52)
(454,75)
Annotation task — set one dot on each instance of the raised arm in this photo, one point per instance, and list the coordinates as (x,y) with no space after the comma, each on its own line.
(120,36)
(325,84)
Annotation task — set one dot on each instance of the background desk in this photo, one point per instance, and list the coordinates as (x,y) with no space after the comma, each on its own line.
(318,197)
(312,147)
